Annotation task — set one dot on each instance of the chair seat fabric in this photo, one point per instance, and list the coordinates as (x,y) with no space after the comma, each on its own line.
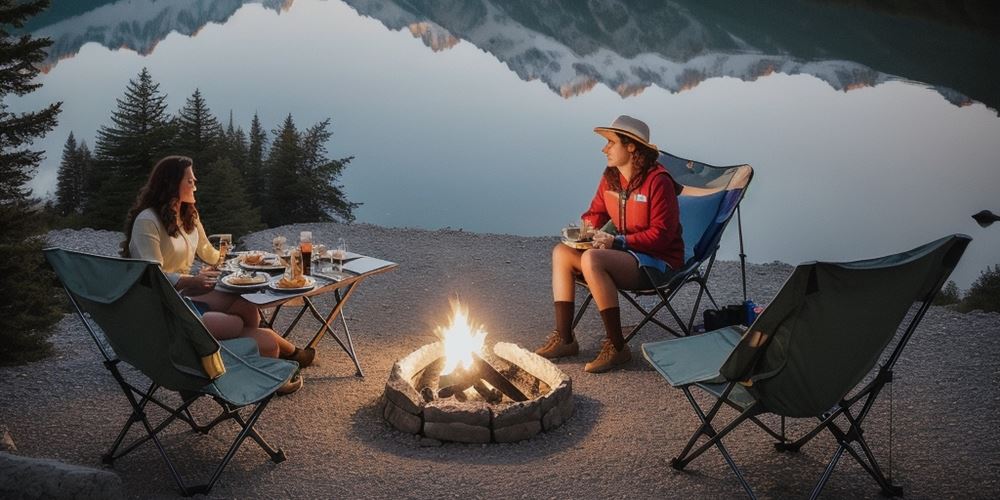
(688,360)
(249,377)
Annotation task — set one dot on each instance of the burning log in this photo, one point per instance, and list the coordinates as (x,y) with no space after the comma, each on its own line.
(494,378)
(491,395)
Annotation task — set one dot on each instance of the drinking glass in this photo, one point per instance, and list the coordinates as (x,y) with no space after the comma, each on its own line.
(306,248)
(339,253)
(225,244)
(278,243)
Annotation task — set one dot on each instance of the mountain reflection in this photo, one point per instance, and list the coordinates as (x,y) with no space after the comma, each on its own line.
(573,46)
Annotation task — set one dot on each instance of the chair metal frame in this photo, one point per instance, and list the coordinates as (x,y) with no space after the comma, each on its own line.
(139,399)
(846,438)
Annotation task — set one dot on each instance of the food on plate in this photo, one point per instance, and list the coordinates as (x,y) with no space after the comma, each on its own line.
(253,258)
(247,279)
(297,282)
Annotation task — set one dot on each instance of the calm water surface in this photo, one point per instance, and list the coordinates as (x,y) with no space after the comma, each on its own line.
(480,116)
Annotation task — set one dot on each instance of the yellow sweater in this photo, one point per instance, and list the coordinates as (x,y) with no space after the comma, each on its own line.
(175,255)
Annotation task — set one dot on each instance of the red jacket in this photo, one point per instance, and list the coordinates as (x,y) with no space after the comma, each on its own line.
(649,219)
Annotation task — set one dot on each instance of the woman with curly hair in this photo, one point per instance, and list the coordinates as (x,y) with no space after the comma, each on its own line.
(163,226)
(637,196)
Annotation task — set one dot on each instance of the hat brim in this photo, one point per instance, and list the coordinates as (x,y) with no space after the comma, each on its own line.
(609,133)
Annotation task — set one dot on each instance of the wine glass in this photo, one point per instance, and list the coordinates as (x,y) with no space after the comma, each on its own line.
(339,253)
(225,244)
(278,244)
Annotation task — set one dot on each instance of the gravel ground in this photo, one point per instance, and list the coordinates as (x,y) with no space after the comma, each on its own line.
(627,426)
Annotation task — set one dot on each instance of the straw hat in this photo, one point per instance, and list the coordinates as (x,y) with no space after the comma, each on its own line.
(636,130)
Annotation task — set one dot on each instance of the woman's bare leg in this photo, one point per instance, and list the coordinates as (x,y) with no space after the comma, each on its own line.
(565,265)
(232,304)
(266,340)
(606,271)
(223,326)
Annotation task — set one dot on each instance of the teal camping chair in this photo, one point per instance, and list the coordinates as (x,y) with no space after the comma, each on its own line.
(134,315)
(808,352)
(708,198)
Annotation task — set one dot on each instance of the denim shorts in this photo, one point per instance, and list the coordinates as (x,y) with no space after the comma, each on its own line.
(199,307)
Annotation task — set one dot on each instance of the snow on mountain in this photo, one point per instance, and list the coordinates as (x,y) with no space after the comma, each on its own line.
(139,24)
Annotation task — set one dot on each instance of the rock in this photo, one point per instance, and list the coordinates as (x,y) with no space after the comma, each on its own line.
(402,394)
(552,419)
(24,477)
(516,413)
(427,442)
(475,413)
(457,431)
(401,419)
(516,432)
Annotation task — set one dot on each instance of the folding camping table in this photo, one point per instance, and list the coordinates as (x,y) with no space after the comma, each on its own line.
(341,290)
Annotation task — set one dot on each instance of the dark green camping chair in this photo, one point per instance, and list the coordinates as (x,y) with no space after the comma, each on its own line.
(134,315)
(807,353)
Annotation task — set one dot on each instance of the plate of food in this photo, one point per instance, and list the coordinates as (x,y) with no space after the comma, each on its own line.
(242,280)
(283,283)
(578,244)
(261,261)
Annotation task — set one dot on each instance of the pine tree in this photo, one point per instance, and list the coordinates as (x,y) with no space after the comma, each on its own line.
(280,171)
(67,196)
(229,210)
(86,169)
(254,170)
(235,147)
(198,131)
(139,135)
(71,177)
(303,184)
(28,304)
(319,176)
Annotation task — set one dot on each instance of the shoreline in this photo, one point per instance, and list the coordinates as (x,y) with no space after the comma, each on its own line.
(627,424)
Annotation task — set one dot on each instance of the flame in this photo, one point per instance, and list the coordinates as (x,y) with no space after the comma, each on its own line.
(460,340)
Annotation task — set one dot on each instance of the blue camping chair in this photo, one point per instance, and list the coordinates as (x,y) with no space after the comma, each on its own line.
(135,316)
(708,197)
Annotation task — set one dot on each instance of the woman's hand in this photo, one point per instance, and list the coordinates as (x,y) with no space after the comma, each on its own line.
(203,282)
(603,239)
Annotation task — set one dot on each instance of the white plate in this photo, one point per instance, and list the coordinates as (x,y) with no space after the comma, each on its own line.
(579,245)
(252,286)
(273,284)
(270,263)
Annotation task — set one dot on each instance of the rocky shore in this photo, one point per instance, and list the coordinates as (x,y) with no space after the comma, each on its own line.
(627,424)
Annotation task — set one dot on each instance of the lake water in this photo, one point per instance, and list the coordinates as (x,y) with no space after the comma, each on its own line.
(869,134)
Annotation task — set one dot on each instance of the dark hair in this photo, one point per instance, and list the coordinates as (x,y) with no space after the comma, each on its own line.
(160,193)
(643,159)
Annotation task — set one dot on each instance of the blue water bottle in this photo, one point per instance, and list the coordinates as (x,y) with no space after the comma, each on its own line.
(752,311)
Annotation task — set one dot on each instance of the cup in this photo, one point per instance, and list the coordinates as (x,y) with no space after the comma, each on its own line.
(339,253)
(278,244)
(306,246)
(225,245)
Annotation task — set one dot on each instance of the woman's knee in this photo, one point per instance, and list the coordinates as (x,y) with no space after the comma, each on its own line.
(222,325)
(266,343)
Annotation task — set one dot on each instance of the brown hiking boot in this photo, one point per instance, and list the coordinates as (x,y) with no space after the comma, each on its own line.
(555,347)
(304,357)
(608,358)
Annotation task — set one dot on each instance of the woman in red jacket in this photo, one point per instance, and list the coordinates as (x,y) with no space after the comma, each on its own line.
(636,194)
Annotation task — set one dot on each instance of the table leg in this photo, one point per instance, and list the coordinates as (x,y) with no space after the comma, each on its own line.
(326,326)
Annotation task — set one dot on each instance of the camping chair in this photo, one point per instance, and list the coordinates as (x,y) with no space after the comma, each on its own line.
(146,324)
(808,352)
(708,197)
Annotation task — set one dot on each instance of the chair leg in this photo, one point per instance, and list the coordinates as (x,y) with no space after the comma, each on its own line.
(277,456)
(715,437)
(247,429)
(583,309)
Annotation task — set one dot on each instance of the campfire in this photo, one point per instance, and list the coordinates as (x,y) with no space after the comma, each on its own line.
(458,389)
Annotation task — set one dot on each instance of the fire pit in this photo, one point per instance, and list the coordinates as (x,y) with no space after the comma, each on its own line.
(458,390)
